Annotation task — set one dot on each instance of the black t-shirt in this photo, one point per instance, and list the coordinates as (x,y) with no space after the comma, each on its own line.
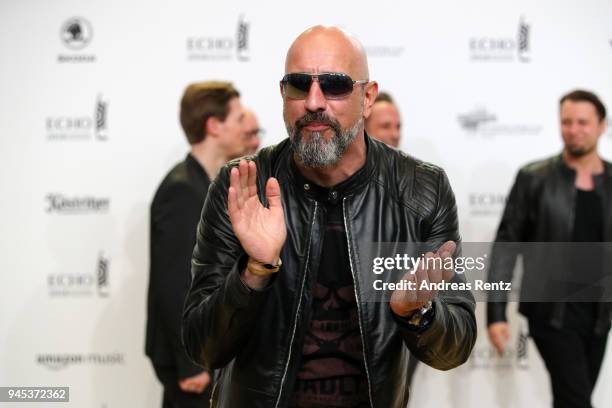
(588,227)
(332,371)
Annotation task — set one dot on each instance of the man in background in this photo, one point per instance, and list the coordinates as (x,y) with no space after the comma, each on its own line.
(252,132)
(211,117)
(564,198)
(384,123)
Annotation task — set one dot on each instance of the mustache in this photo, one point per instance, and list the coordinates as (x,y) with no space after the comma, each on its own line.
(318,117)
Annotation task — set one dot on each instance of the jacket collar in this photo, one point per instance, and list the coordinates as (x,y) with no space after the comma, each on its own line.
(194,165)
(333,194)
(567,170)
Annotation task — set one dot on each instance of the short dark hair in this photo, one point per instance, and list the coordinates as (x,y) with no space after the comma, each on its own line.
(384,97)
(580,95)
(202,100)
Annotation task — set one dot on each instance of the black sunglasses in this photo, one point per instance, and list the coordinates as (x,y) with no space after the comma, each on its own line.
(335,85)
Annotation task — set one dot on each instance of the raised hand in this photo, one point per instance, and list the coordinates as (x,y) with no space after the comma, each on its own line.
(260,230)
(406,302)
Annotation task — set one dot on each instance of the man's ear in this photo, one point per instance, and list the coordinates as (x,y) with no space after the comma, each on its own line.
(212,126)
(370,94)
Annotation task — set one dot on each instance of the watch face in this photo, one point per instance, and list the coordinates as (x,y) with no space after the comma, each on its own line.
(422,317)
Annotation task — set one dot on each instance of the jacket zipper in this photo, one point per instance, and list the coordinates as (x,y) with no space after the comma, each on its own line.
(297,314)
(365,360)
(212,400)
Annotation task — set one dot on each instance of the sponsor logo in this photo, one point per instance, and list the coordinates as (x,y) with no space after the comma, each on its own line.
(486,203)
(514,356)
(76,34)
(60,361)
(80,127)
(384,51)
(480,122)
(102,275)
(61,204)
(503,48)
(95,284)
(229,47)
(473,120)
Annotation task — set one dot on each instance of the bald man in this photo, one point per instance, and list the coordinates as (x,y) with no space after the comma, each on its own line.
(384,123)
(283,298)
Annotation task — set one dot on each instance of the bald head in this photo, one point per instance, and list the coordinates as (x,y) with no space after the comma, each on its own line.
(326,128)
(327,49)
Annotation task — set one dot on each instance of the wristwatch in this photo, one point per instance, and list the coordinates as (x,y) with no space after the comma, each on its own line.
(423,316)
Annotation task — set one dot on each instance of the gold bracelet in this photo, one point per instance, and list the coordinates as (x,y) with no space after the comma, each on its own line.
(263,269)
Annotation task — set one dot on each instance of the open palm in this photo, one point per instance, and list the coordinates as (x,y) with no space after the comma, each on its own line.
(405,301)
(260,230)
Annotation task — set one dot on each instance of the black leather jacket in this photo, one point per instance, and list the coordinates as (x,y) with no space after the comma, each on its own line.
(257,336)
(540,208)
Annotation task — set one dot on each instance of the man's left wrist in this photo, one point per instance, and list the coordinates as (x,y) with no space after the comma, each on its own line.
(418,319)
(421,317)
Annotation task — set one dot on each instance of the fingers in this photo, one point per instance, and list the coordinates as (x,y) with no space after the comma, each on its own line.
(405,295)
(436,268)
(499,345)
(445,252)
(243,184)
(188,385)
(236,186)
(447,249)
(273,193)
(403,301)
(233,204)
(243,166)
(499,335)
(423,279)
(252,179)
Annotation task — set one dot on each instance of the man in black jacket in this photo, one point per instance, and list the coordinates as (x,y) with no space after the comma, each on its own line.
(566,198)
(282,297)
(211,116)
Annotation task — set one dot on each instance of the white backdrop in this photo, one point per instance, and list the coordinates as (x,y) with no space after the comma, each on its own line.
(89,127)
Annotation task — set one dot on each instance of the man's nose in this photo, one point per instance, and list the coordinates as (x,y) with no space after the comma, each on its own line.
(315,100)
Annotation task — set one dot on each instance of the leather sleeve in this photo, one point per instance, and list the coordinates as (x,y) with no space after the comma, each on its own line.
(512,228)
(448,340)
(220,310)
(173,218)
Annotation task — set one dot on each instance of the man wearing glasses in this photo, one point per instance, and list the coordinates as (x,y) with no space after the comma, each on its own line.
(279,297)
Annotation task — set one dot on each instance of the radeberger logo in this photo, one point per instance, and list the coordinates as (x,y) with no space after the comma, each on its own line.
(76,34)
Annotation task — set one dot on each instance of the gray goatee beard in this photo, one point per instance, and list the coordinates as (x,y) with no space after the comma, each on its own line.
(317,152)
